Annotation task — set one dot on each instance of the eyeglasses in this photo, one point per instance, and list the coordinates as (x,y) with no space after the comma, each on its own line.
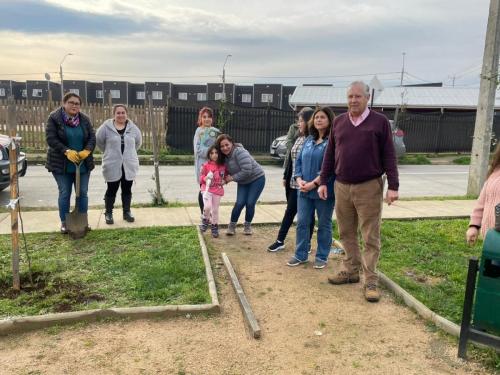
(73,103)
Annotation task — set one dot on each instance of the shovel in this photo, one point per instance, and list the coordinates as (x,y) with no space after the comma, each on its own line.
(77,222)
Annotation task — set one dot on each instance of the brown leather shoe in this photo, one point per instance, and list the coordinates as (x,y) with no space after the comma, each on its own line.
(372,293)
(343,277)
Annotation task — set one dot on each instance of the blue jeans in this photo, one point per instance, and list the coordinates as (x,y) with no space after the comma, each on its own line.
(65,184)
(247,196)
(305,210)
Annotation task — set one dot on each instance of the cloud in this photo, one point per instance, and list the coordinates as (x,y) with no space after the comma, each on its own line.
(282,38)
(35,17)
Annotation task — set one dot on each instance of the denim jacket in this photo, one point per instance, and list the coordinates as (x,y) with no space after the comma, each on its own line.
(308,165)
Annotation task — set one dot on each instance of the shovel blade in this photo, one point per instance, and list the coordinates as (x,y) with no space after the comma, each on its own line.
(77,224)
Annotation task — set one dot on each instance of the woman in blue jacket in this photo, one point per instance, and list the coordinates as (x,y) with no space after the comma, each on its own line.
(307,176)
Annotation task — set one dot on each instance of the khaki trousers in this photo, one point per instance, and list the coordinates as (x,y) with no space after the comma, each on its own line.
(360,206)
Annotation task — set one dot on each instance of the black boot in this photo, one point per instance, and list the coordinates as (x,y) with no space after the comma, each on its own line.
(127,215)
(109,202)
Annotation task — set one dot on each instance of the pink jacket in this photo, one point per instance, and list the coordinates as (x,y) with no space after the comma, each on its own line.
(483,214)
(219,172)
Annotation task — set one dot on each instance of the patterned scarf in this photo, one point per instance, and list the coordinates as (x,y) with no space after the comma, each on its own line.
(71,121)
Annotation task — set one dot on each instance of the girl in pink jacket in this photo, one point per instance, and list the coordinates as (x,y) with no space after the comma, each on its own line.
(212,177)
(483,215)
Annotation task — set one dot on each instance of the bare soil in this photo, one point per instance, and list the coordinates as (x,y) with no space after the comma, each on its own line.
(308,327)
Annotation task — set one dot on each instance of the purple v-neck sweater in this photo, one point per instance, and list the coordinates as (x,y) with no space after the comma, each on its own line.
(361,153)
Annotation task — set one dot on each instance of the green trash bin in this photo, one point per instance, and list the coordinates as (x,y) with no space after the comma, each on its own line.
(487,306)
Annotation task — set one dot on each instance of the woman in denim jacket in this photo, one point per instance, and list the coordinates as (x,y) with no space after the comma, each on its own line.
(307,176)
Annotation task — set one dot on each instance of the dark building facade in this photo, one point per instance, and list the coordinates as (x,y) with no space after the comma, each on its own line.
(136,94)
(77,87)
(243,96)
(39,90)
(287,93)
(5,89)
(19,90)
(159,91)
(95,92)
(122,92)
(118,90)
(189,94)
(267,95)
(214,91)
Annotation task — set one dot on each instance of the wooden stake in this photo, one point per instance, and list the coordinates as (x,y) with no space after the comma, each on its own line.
(245,306)
(14,207)
(154,134)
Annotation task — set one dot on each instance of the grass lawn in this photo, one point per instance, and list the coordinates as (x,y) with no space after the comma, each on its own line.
(108,268)
(414,160)
(429,259)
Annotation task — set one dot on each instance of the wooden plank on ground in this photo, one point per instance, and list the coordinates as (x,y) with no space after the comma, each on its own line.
(245,305)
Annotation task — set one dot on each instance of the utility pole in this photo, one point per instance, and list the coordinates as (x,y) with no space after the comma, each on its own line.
(224,78)
(396,112)
(402,71)
(61,73)
(485,108)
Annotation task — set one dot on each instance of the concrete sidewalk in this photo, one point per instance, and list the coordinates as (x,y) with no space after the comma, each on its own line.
(48,221)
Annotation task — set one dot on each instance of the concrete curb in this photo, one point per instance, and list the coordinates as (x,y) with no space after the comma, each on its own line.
(28,323)
(208,269)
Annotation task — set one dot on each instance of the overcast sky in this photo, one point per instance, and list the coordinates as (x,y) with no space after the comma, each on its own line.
(275,41)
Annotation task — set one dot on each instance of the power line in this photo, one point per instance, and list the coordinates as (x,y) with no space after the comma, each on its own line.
(141,76)
(417,78)
(310,77)
(25,74)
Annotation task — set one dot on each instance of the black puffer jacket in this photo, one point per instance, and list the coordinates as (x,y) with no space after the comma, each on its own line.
(55,136)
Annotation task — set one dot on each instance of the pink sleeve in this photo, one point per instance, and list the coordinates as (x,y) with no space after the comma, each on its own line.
(477,213)
(203,173)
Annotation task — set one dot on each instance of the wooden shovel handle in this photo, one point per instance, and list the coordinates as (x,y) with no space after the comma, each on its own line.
(77,179)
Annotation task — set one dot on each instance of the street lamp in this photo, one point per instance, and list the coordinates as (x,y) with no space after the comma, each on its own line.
(61,73)
(47,77)
(224,78)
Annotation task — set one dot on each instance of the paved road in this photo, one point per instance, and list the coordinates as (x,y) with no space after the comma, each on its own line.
(39,189)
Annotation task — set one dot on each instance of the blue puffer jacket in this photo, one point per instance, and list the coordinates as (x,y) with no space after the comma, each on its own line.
(308,165)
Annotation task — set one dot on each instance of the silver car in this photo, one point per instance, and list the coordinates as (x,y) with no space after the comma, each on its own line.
(278,147)
(22,165)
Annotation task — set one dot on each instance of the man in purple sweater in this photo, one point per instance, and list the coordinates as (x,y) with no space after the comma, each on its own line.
(359,152)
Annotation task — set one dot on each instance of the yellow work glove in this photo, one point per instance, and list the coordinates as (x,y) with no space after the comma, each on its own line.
(84,154)
(72,156)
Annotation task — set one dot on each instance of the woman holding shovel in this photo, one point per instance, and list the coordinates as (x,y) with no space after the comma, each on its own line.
(119,139)
(71,141)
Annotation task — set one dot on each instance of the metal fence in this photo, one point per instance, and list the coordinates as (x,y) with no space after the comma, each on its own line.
(255,128)
(441,132)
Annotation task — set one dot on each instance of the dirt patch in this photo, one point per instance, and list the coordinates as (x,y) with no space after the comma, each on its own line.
(308,327)
(423,279)
(65,294)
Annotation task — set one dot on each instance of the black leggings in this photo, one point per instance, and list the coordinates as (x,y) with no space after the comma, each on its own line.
(113,187)
(200,201)
(290,212)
